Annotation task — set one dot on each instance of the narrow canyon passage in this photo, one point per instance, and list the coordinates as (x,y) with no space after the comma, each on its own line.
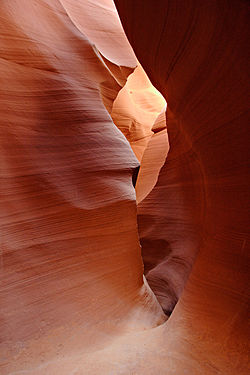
(84,103)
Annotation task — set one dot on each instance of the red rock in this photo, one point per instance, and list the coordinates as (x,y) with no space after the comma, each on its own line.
(198,61)
(74,300)
(71,268)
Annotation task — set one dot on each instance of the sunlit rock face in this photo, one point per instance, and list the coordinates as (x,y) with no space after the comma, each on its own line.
(139,112)
(78,114)
(153,158)
(136,109)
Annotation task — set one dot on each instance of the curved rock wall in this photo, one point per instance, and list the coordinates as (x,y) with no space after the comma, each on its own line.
(73,296)
(196,54)
(71,268)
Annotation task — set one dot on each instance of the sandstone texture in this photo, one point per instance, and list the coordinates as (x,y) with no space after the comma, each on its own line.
(196,55)
(78,217)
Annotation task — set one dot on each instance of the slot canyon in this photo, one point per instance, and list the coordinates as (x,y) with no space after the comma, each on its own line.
(124,205)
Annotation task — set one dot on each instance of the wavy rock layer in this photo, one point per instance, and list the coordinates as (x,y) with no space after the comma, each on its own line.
(75,301)
(71,269)
(199,61)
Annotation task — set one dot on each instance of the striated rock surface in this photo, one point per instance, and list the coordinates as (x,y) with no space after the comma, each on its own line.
(71,268)
(73,296)
(199,60)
